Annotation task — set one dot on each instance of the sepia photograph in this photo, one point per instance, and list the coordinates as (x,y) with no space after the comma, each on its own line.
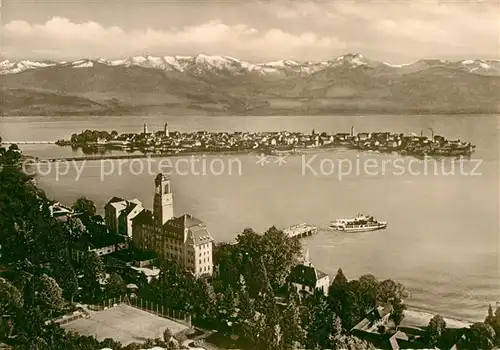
(254,175)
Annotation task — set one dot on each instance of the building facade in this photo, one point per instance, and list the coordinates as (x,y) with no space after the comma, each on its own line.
(305,278)
(119,213)
(184,239)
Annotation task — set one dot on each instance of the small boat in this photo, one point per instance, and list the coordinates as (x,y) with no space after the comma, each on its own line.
(361,223)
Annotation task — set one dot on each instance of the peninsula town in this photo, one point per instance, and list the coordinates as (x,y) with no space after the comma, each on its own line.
(166,142)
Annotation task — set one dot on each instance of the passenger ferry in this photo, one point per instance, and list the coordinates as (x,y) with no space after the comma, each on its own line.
(360,223)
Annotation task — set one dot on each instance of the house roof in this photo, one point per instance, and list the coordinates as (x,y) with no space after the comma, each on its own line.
(304,275)
(86,242)
(145,217)
(199,235)
(184,221)
(197,232)
(127,210)
(119,205)
(114,200)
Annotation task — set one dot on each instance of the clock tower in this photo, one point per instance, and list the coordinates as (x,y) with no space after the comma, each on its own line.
(163,204)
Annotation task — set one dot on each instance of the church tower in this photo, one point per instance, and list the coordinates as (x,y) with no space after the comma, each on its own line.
(163,205)
(166,131)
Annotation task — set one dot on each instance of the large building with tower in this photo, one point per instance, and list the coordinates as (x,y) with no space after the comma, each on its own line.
(184,239)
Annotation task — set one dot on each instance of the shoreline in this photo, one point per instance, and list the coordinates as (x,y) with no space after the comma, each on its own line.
(277,113)
(268,152)
(420,318)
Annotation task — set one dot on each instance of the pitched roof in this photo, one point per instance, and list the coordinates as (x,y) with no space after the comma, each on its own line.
(119,205)
(145,217)
(127,210)
(197,231)
(305,275)
(184,221)
(199,235)
(114,200)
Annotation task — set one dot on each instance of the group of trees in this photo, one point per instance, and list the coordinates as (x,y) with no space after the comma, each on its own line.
(89,136)
(249,296)
(39,280)
(480,335)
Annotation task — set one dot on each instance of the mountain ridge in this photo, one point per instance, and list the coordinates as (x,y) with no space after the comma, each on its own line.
(181,63)
(226,85)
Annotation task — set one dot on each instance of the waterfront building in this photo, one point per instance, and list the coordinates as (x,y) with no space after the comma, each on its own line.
(119,214)
(305,278)
(184,239)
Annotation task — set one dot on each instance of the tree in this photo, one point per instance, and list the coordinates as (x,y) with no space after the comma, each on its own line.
(66,278)
(49,294)
(247,310)
(435,329)
(85,207)
(249,242)
(273,336)
(291,325)
(280,254)
(205,306)
(115,286)
(173,344)
(319,321)
(368,286)
(479,336)
(11,299)
(30,321)
(229,301)
(227,263)
(262,278)
(340,279)
(398,312)
(93,273)
(351,343)
(167,335)
(393,293)
(493,319)
(390,292)
(337,327)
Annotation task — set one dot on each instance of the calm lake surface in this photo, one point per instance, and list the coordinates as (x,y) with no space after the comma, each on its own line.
(442,240)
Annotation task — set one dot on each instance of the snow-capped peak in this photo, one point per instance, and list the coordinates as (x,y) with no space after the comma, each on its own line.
(281,63)
(9,67)
(203,63)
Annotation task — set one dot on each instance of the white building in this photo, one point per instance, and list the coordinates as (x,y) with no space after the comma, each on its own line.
(184,239)
(305,278)
(119,214)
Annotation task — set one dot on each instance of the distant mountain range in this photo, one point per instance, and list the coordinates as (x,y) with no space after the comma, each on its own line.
(225,85)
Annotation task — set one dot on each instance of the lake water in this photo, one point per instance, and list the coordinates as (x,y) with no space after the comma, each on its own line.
(442,240)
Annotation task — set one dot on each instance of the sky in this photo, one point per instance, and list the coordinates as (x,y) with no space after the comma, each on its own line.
(395,31)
